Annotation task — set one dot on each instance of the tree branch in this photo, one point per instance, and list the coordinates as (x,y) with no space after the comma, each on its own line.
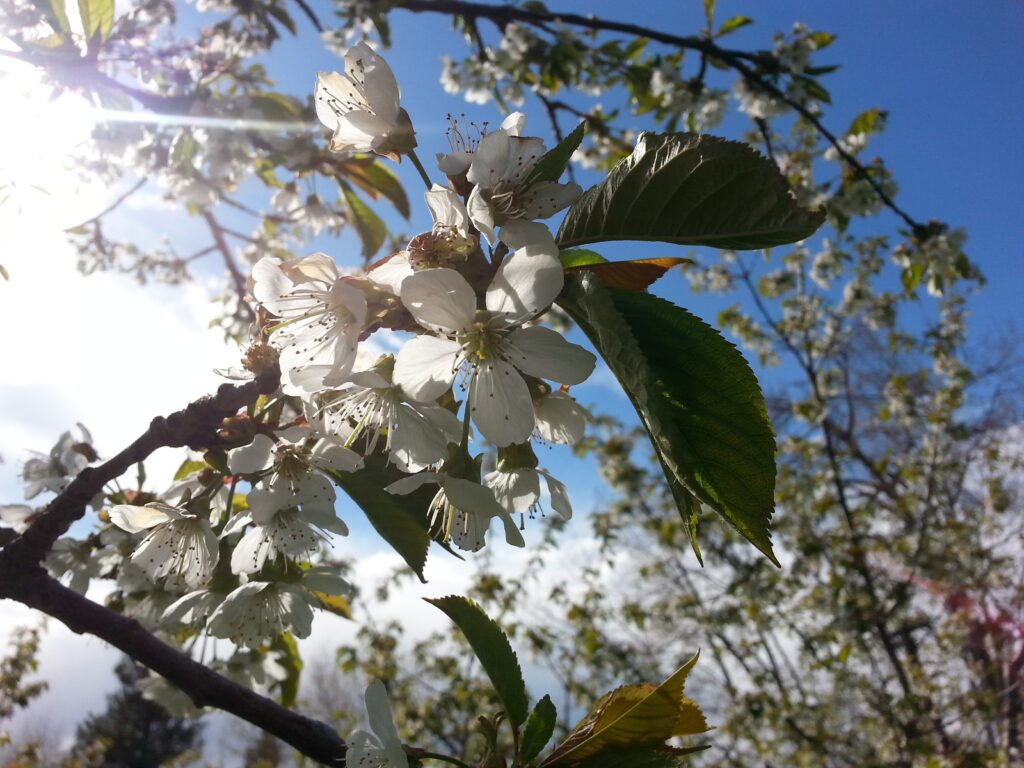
(237,278)
(206,687)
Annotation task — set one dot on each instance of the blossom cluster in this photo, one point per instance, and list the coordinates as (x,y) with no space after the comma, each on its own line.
(231,545)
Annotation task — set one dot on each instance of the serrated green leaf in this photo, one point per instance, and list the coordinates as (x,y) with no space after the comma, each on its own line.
(97,16)
(375,180)
(580,257)
(492,648)
(696,396)
(369,226)
(690,190)
(553,164)
(731,25)
(631,718)
(292,663)
(400,520)
(539,727)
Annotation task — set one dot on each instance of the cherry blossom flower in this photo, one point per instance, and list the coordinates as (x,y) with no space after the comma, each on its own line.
(382,748)
(518,491)
(322,315)
(361,106)
(416,435)
(492,342)
(293,505)
(259,610)
(461,510)
(500,168)
(178,544)
(53,471)
(560,419)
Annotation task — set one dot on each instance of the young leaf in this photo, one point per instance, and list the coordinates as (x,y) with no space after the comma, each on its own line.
(631,275)
(632,717)
(491,646)
(55,13)
(539,727)
(375,180)
(336,604)
(731,25)
(691,190)
(553,164)
(97,16)
(291,660)
(371,229)
(696,396)
(400,520)
(869,121)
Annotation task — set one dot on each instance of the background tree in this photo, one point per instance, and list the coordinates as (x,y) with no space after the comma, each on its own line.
(134,731)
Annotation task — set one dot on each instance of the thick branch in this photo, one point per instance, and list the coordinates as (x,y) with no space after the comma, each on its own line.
(206,687)
(194,426)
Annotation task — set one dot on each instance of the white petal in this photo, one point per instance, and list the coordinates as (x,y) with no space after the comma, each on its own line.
(382,721)
(559,496)
(425,367)
(542,352)
(251,458)
(523,155)
(439,299)
(134,519)
(407,485)
(520,233)
(251,552)
(329,454)
(500,403)
(392,272)
(416,443)
(513,124)
(335,94)
(481,215)
(324,581)
(560,419)
(517,490)
(379,84)
(454,164)
(447,208)
(490,159)
(314,268)
(359,131)
(546,198)
(298,613)
(270,283)
(525,285)
(443,419)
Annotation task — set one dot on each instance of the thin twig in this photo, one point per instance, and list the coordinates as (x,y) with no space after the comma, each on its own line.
(116,204)
(229,261)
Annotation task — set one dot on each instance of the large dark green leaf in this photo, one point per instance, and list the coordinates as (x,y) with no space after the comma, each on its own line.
(691,190)
(696,396)
(492,648)
(400,520)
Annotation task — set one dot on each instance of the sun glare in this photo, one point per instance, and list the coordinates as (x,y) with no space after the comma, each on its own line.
(39,138)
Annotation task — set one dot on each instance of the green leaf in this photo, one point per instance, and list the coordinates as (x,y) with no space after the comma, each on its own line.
(632,717)
(553,164)
(292,663)
(400,520)
(691,190)
(696,396)
(492,648)
(4,273)
(97,16)
(821,39)
(369,226)
(375,180)
(188,466)
(275,106)
(55,13)
(731,25)
(539,727)
(869,121)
